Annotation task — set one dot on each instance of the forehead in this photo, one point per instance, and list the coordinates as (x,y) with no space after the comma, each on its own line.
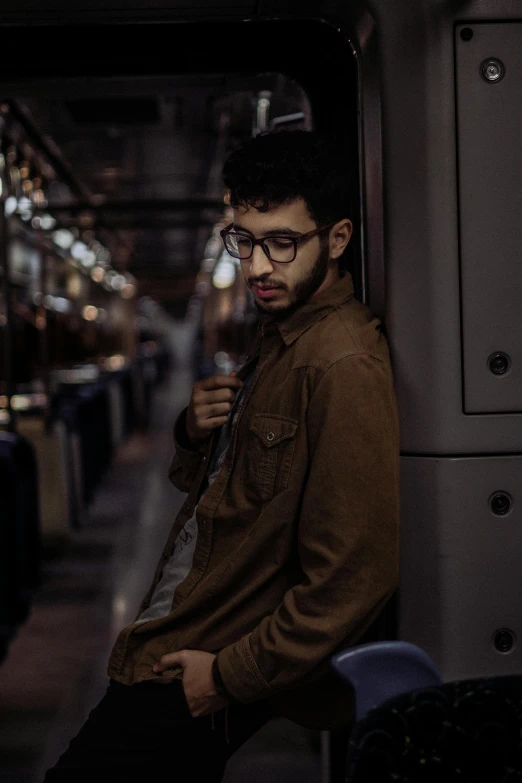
(292,215)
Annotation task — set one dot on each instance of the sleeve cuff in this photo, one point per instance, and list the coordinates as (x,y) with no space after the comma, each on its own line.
(188,453)
(181,439)
(218,681)
(240,674)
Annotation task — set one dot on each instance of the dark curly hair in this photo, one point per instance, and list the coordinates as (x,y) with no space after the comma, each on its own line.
(280,166)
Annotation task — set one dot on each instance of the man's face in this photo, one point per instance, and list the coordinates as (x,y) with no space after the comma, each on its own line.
(279,289)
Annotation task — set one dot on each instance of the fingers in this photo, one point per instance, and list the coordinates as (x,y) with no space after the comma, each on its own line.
(214,423)
(170,661)
(216,409)
(220,382)
(211,403)
(206,408)
(201,397)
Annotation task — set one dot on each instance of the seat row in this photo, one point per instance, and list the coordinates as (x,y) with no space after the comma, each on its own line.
(51,467)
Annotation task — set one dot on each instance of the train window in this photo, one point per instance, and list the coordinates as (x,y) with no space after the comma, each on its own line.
(112,162)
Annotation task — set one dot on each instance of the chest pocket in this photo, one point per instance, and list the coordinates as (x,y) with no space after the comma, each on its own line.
(269,455)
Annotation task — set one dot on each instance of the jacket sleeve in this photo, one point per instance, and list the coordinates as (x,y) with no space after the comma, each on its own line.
(187,458)
(347,535)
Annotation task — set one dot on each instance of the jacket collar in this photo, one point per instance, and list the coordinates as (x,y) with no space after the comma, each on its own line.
(316,309)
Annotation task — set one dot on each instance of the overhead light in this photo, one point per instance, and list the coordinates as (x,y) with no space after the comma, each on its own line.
(89,259)
(90,313)
(11,205)
(61,304)
(128,291)
(58,303)
(115,362)
(20,402)
(47,222)
(63,238)
(78,250)
(118,282)
(24,204)
(97,274)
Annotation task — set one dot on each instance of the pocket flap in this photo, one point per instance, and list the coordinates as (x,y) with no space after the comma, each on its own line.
(273,429)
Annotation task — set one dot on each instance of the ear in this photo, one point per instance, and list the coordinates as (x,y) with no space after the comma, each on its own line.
(339,237)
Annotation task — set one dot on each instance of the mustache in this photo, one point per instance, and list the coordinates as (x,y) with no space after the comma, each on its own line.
(264,282)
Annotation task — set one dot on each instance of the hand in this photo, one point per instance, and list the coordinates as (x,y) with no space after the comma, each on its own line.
(198,683)
(210,404)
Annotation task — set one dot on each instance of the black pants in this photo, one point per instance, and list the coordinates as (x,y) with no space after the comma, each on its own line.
(145,733)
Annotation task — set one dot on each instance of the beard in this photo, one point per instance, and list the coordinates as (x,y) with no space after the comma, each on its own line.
(302,290)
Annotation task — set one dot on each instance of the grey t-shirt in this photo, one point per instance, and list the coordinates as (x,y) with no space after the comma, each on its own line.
(179,564)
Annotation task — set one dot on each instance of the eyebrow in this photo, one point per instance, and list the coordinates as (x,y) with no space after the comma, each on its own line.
(273,232)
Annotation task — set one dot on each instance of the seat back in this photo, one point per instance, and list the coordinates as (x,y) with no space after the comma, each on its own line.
(381,670)
(51,448)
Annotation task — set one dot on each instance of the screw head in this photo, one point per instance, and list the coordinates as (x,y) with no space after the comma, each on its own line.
(499,363)
(492,70)
(500,503)
(466,34)
(504,640)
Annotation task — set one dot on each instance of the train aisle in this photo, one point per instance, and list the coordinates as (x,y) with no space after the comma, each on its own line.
(55,670)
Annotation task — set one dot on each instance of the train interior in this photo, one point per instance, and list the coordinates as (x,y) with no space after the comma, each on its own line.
(116,296)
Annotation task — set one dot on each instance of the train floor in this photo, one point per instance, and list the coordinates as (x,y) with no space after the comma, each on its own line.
(55,670)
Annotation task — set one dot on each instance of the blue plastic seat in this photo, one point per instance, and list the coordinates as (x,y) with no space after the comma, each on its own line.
(381,670)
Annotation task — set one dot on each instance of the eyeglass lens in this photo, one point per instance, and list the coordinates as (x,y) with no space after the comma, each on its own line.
(281,249)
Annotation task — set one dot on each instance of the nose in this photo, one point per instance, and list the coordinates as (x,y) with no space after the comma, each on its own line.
(260,264)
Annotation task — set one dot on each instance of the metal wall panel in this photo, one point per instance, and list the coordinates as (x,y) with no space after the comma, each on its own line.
(489,111)
(460,570)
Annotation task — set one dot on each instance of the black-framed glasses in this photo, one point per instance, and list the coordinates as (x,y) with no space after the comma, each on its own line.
(281,249)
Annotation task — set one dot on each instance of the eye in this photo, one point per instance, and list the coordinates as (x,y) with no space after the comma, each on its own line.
(242,241)
(281,242)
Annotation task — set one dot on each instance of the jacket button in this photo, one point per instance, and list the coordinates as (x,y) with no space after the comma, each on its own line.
(188,508)
(270,436)
(146,604)
(165,555)
(204,459)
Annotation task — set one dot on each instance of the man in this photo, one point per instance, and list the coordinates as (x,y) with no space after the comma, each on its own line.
(286,548)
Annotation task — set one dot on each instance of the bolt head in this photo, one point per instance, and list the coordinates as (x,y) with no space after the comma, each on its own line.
(492,70)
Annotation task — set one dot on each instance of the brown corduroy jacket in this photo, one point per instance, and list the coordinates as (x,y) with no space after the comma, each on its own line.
(297,548)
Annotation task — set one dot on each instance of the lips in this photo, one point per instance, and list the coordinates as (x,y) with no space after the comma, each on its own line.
(265,292)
